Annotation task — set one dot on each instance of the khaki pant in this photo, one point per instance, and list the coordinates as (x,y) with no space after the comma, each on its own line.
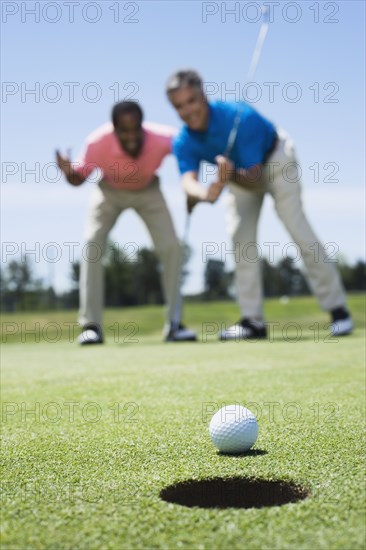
(243,209)
(105,207)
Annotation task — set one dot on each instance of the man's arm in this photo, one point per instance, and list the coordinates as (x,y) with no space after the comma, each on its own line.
(196,192)
(65,166)
(250,178)
(193,187)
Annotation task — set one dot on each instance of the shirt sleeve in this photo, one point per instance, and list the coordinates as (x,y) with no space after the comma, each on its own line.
(168,144)
(187,160)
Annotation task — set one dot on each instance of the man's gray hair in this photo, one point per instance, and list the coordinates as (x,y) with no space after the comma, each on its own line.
(184,79)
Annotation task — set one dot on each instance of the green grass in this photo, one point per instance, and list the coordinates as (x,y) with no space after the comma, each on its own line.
(91,479)
(300,316)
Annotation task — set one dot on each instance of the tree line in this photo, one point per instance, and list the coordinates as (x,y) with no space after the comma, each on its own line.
(137,282)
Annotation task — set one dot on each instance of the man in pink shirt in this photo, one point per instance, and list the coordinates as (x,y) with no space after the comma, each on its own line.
(127,152)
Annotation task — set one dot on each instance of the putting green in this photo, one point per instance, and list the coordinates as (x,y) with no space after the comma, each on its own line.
(91,435)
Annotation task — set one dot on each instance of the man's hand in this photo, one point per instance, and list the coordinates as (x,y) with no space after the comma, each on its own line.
(64,163)
(211,195)
(196,192)
(251,179)
(214,191)
(191,203)
(226,169)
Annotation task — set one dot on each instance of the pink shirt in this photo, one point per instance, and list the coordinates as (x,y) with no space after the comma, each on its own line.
(121,171)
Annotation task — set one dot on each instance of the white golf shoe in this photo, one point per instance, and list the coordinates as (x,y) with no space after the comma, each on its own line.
(342,323)
(91,334)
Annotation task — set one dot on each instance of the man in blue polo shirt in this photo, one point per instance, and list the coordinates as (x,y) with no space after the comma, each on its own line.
(262,159)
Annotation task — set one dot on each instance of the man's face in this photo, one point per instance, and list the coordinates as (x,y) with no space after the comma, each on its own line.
(191,106)
(130,134)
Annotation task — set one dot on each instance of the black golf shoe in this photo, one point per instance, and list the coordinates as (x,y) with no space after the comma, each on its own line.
(178,333)
(245,329)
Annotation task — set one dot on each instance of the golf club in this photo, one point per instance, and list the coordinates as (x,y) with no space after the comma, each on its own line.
(252,68)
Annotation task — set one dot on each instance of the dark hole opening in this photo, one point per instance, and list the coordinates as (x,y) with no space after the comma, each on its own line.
(234,492)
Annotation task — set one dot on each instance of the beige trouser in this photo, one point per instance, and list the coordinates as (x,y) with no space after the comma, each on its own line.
(243,209)
(105,207)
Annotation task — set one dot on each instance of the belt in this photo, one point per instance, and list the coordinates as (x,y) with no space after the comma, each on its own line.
(271,149)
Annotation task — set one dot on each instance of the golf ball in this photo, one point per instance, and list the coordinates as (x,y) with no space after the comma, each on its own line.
(233,429)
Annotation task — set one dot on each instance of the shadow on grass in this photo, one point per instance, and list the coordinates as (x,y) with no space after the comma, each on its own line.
(251,452)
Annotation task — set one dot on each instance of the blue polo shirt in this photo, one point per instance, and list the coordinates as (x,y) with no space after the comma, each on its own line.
(254,138)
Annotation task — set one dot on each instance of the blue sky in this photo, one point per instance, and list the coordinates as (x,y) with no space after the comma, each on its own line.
(312,60)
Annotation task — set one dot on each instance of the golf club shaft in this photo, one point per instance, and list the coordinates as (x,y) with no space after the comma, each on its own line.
(252,68)
(186,227)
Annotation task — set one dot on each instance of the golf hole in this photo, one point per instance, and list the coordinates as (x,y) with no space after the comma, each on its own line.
(234,492)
